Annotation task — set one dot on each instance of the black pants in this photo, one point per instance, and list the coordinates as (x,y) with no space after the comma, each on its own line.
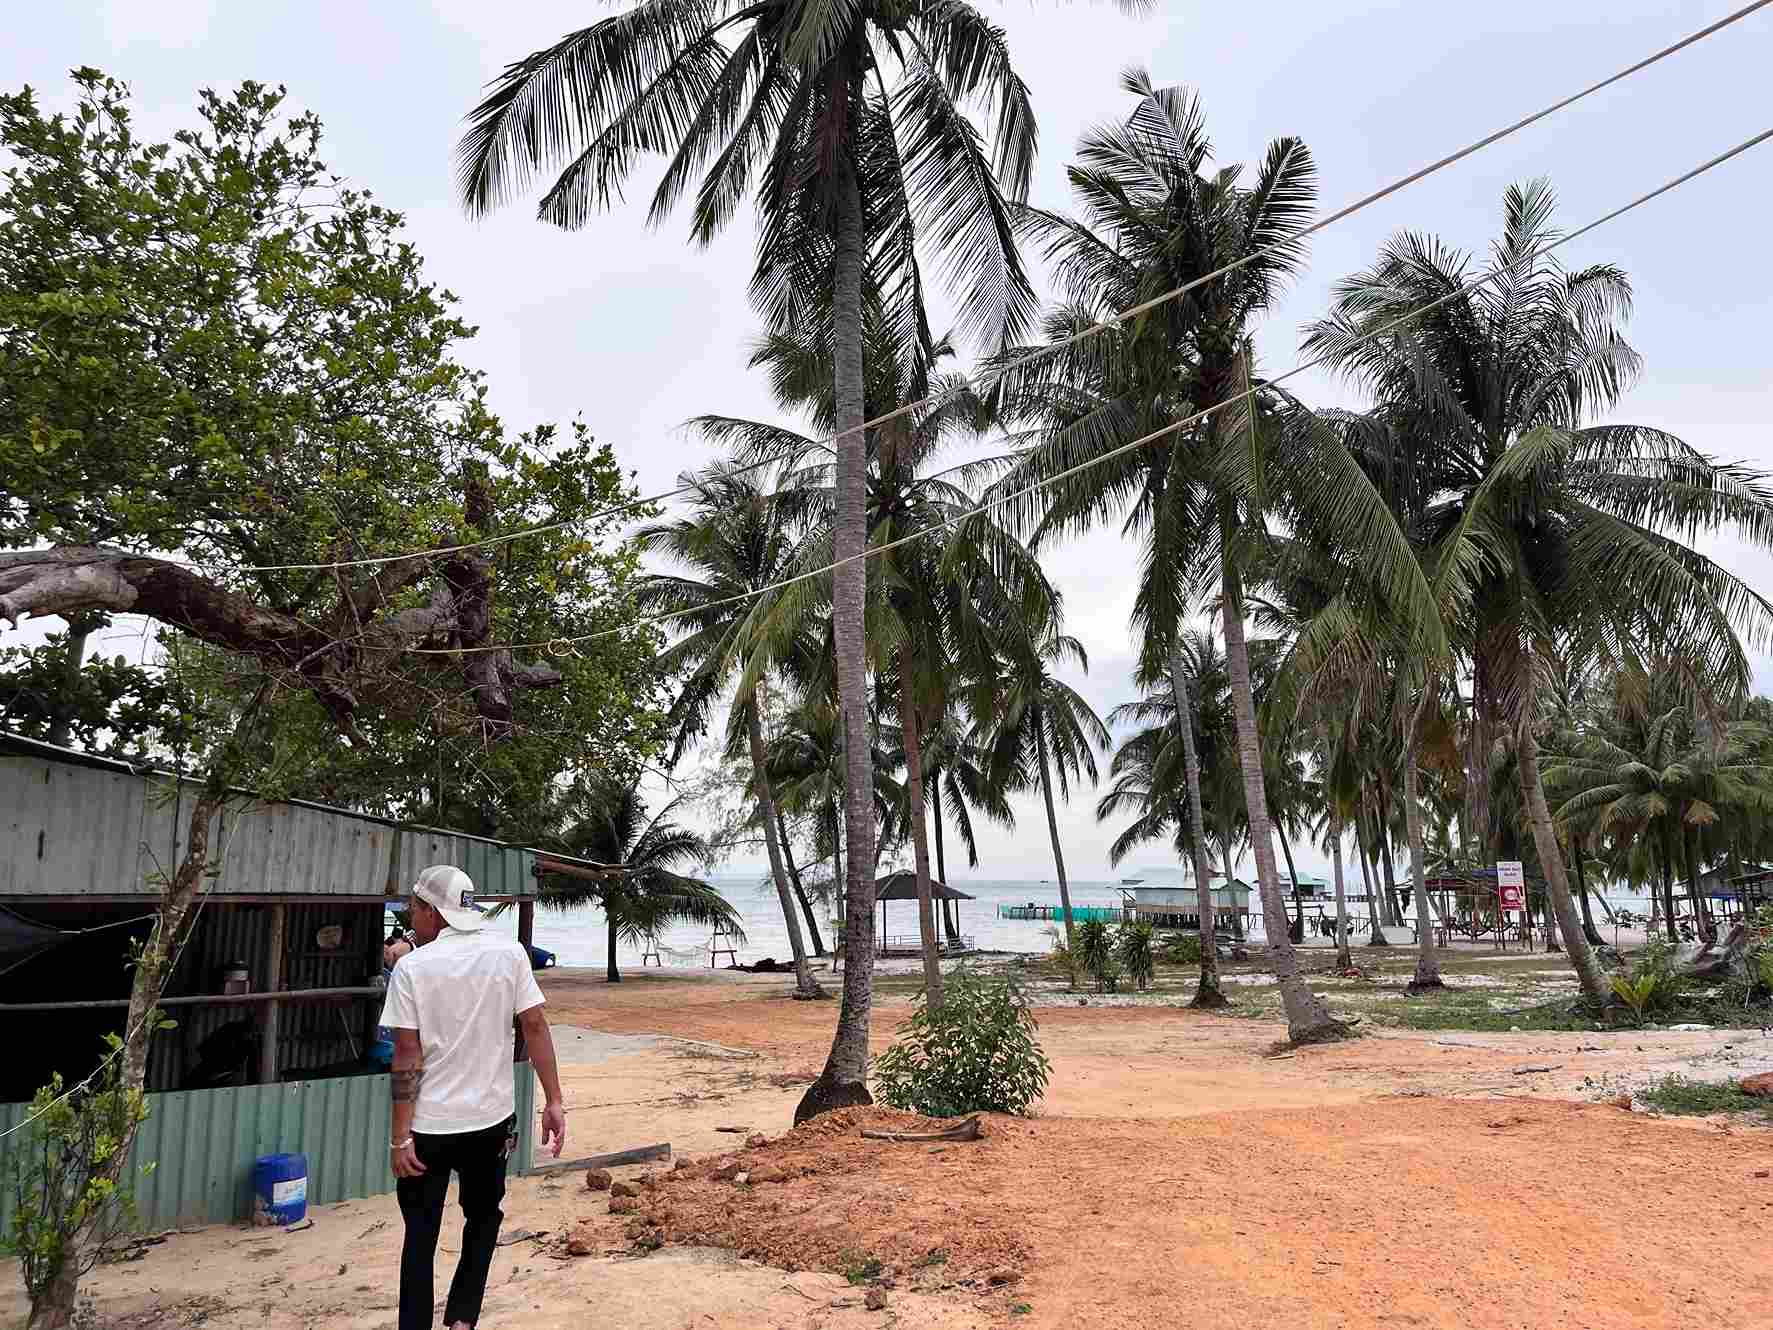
(478,1158)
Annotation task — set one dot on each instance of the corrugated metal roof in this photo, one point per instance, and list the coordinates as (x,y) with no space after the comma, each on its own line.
(203,1144)
(76,825)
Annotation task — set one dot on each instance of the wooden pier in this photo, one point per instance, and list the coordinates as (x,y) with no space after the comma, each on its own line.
(1080,914)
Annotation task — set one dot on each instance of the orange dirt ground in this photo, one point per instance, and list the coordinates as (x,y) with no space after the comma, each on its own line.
(1175,1174)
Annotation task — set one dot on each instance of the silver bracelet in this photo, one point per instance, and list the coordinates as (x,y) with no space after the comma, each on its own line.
(400,1145)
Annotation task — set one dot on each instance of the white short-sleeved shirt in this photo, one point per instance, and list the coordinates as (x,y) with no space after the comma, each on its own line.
(460,993)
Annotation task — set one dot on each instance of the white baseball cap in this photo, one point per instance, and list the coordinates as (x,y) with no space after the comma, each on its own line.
(450,891)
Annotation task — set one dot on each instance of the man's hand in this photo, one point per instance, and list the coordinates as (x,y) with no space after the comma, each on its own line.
(554,1128)
(407,1163)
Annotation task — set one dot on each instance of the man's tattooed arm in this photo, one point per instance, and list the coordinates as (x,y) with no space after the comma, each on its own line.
(408,1075)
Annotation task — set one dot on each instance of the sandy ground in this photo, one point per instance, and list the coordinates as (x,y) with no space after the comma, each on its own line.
(1176,1173)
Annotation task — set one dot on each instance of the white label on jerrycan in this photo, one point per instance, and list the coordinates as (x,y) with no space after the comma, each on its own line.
(289,1193)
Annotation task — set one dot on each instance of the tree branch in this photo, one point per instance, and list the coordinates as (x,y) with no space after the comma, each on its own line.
(71,579)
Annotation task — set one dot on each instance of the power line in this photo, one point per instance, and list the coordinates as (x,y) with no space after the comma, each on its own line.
(556,645)
(1114,321)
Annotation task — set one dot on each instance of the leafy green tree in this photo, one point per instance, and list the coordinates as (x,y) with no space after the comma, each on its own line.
(212,348)
(1547,533)
(609,825)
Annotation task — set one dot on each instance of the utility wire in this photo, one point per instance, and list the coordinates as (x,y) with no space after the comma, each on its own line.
(559,644)
(1053,348)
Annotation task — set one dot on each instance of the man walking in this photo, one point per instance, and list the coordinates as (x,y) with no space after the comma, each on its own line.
(450,1005)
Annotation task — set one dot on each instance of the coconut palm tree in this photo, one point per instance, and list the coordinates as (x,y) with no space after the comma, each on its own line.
(608,824)
(945,581)
(1545,532)
(956,779)
(1156,218)
(1150,779)
(1042,732)
(737,539)
(847,123)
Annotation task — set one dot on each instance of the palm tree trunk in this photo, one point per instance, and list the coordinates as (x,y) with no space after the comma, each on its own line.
(920,841)
(844,1081)
(1394,914)
(806,906)
(611,973)
(1479,741)
(1428,968)
(1046,792)
(1296,930)
(1344,961)
(1545,839)
(1668,900)
(1589,931)
(1308,1019)
(1207,993)
(1370,878)
(1708,931)
(805,986)
(950,919)
(837,878)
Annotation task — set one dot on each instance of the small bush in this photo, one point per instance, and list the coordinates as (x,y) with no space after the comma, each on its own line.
(1182,948)
(1095,947)
(977,1054)
(68,1212)
(1061,959)
(1132,949)
(1676,1094)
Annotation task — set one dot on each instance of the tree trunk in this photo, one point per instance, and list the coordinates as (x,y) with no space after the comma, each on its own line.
(1370,877)
(1582,957)
(806,905)
(950,917)
(1480,739)
(1668,899)
(1589,931)
(1295,931)
(805,986)
(1046,792)
(1708,931)
(920,841)
(1344,961)
(1308,1019)
(1428,968)
(55,1309)
(611,973)
(1394,914)
(1237,917)
(80,627)
(844,1080)
(837,878)
(1207,993)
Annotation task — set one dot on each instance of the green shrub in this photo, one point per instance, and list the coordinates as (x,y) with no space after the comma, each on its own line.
(977,1054)
(73,1197)
(1132,949)
(1182,948)
(1095,948)
(1061,958)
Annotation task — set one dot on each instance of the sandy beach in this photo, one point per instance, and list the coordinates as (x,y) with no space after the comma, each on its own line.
(1175,1168)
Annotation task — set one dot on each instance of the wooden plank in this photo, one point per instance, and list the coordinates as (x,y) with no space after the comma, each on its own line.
(638,1155)
(201,1000)
(273,984)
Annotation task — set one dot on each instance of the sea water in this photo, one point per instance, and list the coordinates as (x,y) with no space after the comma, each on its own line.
(578,937)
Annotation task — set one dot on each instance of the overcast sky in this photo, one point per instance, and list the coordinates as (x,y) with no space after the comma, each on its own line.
(635,330)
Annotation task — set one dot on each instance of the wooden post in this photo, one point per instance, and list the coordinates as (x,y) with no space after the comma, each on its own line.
(526,933)
(273,984)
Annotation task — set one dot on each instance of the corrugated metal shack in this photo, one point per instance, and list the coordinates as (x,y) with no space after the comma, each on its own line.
(296,901)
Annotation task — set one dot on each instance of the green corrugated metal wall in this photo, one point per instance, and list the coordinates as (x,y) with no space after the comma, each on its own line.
(203,1144)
